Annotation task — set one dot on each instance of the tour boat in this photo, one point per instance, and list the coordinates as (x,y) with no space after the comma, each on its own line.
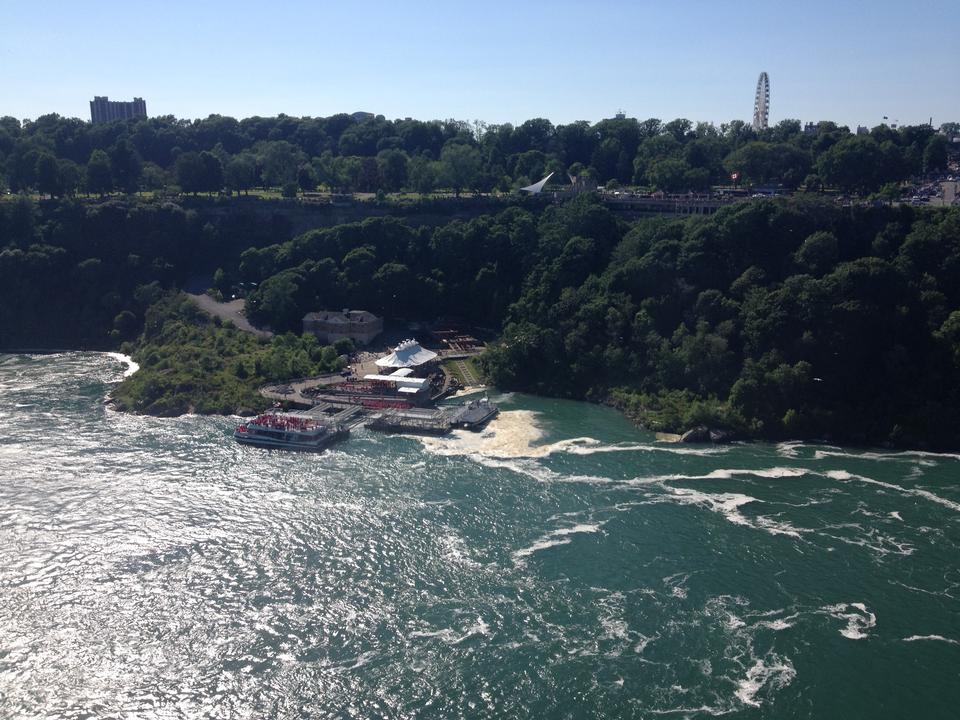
(289,432)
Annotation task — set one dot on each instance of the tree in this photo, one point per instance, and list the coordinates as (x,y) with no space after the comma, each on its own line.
(280,162)
(71,176)
(423,174)
(459,166)
(668,175)
(211,172)
(240,173)
(307,178)
(126,165)
(190,170)
(48,176)
(99,173)
(819,252)
(935,153)
(852,164)
(154,177)
(393,167)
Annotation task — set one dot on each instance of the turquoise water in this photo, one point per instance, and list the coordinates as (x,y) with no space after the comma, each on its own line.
(559,565)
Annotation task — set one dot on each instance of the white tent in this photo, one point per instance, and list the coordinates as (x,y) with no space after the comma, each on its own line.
(536,187)
(407,354)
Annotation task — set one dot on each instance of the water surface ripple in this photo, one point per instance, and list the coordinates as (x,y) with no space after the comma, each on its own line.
(560,564)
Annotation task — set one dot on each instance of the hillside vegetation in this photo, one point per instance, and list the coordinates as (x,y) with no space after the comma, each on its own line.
(190,363)
(780,318)
(773,319)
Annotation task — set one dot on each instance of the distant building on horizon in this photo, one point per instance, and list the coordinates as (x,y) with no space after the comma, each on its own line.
(104,110)
(361,116)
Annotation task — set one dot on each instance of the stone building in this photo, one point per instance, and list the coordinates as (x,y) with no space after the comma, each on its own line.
(332,325)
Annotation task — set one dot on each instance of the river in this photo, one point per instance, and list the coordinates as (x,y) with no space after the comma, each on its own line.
(561,564)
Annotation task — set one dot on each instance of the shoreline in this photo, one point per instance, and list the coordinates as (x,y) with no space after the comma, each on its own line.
(661,436)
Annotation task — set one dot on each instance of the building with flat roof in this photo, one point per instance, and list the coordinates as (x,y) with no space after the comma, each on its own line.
(104,110)
(329,326)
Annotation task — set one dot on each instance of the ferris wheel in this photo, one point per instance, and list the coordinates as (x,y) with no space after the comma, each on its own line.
(761,103)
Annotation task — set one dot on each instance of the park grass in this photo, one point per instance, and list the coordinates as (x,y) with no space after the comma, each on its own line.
(452,368)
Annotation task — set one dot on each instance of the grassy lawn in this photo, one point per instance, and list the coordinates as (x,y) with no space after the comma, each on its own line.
(452,367)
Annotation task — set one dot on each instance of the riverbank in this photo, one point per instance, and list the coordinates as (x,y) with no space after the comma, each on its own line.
(191,363)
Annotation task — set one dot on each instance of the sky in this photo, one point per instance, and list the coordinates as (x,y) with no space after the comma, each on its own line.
(848,61)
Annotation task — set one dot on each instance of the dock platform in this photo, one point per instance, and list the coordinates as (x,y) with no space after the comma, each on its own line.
(436,421)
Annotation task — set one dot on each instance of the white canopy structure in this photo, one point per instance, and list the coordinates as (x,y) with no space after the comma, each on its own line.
(400,382)
(536,187)
(407,354)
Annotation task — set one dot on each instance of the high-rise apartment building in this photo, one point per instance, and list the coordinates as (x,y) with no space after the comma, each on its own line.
(103,110)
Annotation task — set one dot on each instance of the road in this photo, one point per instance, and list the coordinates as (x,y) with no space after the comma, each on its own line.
(232,311)
(949,193)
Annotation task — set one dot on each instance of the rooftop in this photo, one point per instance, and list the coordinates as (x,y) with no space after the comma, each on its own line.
(341,316)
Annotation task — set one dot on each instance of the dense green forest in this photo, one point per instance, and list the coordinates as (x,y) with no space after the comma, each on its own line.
(191,363)
(774,318)
(82,275)
(59,156)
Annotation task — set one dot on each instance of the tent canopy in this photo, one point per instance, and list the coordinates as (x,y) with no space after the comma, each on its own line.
(407,354)
(536,187)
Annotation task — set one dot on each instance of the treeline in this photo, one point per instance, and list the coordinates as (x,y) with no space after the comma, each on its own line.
(192,363)
(82,275)
(59,156)
(779,319)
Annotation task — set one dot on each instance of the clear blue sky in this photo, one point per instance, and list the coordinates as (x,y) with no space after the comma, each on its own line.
(844,60)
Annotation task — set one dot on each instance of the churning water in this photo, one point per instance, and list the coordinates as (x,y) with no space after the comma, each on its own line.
(559,564)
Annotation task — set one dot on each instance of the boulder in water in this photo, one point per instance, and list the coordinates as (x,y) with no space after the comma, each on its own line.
(699,434)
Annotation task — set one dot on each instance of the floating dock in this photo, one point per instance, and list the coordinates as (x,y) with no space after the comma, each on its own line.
(437,421)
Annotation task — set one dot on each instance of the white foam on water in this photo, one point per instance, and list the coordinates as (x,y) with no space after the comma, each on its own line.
(480,627)
(561,536)
(789,449)
(722,474)
(642,643)
(774,670)
(534,470)
(132,367)
(937,638)
(447,635)
(614,628)
(776,625)
(907,455)
(772,473)
(859,619)
(728,505)
(688,712)
(733,622)
(517,434)
(512,434)
(844,476)
(450,636)
(592,446)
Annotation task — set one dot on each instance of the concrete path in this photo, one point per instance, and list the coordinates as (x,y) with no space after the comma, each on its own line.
(232,311)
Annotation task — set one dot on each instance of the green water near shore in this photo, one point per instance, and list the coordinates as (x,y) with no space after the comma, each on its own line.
(560,564)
